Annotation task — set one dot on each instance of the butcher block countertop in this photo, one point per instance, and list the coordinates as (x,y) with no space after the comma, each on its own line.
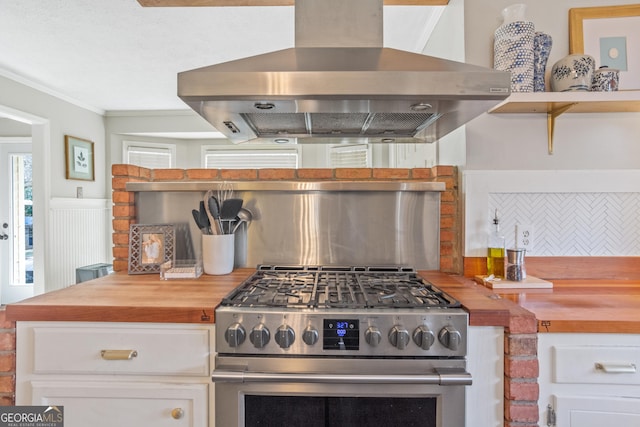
(571,306)
(598,306)
(121,297)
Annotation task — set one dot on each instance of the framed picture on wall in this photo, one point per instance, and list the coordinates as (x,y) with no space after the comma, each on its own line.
(79,158)
(611,35)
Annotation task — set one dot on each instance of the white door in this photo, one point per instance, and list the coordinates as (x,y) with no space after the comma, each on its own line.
(16,213)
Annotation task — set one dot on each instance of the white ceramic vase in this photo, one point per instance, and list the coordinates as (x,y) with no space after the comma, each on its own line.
(573,73)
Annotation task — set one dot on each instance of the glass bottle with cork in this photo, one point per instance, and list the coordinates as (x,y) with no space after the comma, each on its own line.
(495,250)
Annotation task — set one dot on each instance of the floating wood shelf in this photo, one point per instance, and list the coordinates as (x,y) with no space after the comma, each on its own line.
(554,104)
(196,3)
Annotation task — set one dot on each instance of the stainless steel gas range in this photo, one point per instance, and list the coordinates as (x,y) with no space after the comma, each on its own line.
(340,346)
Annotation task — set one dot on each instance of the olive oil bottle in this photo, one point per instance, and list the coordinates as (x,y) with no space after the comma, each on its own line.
(495,250)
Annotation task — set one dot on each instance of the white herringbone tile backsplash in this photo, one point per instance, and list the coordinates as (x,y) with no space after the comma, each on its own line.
(572,224)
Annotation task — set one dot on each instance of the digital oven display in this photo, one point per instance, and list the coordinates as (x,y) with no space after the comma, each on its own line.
(341,334)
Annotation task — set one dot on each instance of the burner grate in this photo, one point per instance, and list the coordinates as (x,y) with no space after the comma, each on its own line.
(338,287)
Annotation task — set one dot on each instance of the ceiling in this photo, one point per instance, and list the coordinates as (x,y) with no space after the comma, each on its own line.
(116,55)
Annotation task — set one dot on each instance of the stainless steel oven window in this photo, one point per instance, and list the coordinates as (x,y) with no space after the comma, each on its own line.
(308,411)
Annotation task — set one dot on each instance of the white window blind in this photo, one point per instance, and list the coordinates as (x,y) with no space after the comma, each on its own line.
(250,158)
(149,155)
(350,156)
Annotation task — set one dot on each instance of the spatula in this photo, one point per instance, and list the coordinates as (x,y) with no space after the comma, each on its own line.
(213,210)
(204,219)
(196,218)
(229,211)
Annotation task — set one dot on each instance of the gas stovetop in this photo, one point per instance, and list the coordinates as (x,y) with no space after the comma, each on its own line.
(330,311)
(337,287)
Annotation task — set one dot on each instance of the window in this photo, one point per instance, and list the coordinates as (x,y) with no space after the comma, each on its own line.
(150,155)
(350,156)
(214,157)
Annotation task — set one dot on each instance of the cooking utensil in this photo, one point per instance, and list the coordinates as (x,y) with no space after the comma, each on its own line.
(225,191)
(204,219)
(214,207)
(244,216)
(213,212)
(196,218)
(229,211)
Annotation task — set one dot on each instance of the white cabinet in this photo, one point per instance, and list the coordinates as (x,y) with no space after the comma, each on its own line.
(484,404)
(590,379)
(124,374)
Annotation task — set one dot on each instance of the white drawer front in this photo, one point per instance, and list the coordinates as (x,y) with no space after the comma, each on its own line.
(113,404)
(74,350)
(596,365)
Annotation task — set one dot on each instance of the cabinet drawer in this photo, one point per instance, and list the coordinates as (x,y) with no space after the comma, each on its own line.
(103,350)
(596,365)
(109,404)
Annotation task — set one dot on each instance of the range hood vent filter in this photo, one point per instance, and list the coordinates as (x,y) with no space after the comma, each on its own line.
(300,125)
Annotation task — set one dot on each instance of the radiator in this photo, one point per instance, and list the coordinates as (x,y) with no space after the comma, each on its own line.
(78,235)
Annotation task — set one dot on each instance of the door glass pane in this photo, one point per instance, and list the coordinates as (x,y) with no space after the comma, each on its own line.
(22,219)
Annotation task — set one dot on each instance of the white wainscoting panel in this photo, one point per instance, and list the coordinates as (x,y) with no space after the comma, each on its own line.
(78,236)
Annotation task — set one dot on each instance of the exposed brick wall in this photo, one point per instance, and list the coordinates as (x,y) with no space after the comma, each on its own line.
(124,213)
(7,360)
(521,389)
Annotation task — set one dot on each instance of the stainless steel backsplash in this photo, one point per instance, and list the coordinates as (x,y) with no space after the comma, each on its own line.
(310,223)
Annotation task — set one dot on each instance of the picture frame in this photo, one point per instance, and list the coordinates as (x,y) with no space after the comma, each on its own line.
(150,246)
(79,158)
(611,35)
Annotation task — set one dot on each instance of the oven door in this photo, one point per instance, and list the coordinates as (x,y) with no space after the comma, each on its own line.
(331,392)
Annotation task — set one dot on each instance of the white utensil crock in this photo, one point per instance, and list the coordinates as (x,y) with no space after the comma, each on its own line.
(218,253)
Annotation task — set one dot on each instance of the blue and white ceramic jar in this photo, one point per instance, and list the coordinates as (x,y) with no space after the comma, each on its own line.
(573,73)
(542,43)
(605,79)
(513,48)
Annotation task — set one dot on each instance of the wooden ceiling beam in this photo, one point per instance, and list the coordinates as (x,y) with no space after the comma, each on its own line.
(197,3)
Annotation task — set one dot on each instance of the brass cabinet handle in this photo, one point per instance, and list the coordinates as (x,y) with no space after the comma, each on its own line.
(616,368)
(118,354)
(177,413)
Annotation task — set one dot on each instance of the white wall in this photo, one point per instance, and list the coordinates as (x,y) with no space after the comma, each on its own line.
(447,41)
(51,118)
(10,127)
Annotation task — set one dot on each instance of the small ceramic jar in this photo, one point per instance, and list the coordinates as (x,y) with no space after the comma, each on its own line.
(573,73)
(605,79)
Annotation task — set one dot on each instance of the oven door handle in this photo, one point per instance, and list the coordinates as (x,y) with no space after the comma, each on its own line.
(452,377)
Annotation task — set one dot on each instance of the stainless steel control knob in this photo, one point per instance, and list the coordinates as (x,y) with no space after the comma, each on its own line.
(259,336)
(423,337)
(450,337)
(285,336)
(399,337)
(235,335)
(310,335)
(372,336)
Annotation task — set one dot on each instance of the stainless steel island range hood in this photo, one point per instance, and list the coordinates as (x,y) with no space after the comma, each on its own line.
(339,85)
